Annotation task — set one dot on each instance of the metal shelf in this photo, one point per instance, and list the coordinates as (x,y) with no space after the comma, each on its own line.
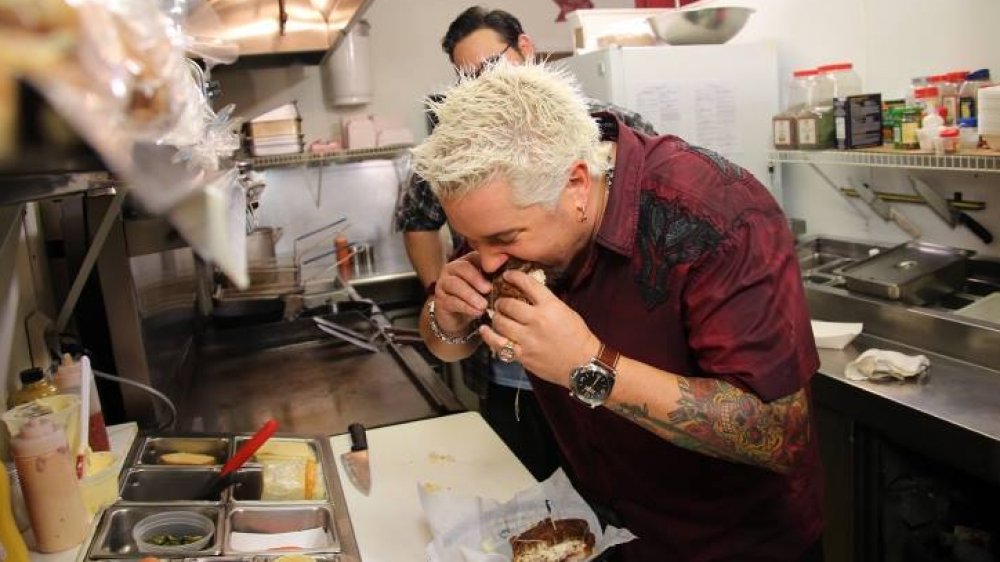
(342,157)
(967,161)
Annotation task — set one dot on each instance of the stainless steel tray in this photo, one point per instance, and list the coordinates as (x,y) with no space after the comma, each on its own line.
(166,485)
(271,519)
(152,448)
(114,534)
(914,272)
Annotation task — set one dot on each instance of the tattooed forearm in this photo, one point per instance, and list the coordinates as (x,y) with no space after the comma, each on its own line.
(720,420)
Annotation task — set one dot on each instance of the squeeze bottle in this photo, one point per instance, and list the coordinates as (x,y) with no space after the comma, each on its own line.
(68,380)
(51,491)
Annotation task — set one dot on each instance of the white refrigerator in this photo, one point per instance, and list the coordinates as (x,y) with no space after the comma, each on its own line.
(720,97)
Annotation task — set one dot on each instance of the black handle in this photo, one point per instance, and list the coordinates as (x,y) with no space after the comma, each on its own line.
(978,229)
(359,442)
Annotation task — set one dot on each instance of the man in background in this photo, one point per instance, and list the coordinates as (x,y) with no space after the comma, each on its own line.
(474,40)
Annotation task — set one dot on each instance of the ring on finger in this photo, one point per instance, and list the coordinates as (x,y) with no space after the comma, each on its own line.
(506,353)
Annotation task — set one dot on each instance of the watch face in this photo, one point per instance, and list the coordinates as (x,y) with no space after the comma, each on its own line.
(592,384)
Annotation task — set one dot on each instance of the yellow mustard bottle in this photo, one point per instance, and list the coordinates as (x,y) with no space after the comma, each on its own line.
(12,547)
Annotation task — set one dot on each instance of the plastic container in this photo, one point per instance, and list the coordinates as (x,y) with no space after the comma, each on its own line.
(968,133)
(815,125)
(842,79)
(784,123)
(946,141)
(927,99)
(968,92)
(67,380)
(99,485)
(949,94)
(34,385)
(12,547)
(48,479)
(62,409)
(174,523)
(931,122)
(916,83)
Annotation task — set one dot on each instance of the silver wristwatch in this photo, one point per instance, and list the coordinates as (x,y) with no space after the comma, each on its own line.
(592,383)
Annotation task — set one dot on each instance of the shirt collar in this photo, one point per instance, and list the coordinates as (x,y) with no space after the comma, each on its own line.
(621,215)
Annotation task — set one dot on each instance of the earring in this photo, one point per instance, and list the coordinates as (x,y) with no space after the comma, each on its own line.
(583,215)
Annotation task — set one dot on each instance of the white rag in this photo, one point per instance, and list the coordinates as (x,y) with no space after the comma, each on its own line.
(878,364)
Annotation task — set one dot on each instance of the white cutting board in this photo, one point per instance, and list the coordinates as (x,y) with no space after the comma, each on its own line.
(457,453)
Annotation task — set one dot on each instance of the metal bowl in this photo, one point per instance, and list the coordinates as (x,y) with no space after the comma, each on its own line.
(704,26)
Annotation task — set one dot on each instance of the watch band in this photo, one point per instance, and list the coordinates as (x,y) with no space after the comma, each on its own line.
(608,357)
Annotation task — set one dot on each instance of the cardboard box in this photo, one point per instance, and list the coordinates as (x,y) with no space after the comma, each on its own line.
(858,120)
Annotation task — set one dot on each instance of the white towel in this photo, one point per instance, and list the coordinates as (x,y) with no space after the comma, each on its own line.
(878,364)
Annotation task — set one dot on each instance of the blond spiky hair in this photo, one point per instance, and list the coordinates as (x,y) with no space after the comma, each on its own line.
(524,123)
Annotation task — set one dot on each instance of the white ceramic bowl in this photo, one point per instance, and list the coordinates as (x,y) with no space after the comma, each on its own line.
(704,26)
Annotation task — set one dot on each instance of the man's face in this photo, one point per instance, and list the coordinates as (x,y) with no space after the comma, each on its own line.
(498,229)
(484,45)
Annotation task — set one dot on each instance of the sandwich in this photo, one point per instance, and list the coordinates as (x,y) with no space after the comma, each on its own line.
(554,540)
(501,288)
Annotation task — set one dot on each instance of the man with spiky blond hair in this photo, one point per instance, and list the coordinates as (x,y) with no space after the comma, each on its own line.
(475,38)
(673,314)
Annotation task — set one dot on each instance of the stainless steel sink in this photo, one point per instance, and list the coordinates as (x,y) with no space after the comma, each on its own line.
(821,258)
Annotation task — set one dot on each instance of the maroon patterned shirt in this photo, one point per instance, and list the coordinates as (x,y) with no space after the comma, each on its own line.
(696,274)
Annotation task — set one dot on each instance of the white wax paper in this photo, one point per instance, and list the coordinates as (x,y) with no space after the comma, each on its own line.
(474,529)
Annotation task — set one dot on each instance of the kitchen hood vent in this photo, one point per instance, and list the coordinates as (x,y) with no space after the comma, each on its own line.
(279,32)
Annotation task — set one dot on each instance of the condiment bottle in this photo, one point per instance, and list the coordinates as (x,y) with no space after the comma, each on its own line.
(34,385)
(968,93)
(905,128)
(51,491)
(12,547)
(67,380)
(343,257)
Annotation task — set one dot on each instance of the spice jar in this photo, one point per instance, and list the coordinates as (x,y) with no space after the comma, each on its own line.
(948,140)
(905,128)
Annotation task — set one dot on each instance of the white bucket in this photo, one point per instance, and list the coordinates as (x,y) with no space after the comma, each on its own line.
(349,68)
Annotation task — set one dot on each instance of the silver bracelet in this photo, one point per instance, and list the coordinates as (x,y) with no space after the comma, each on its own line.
(441,335)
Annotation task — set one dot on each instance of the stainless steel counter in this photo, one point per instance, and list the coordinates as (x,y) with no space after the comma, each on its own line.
(952,414)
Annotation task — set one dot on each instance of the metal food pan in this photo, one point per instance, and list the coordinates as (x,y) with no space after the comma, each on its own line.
(152,448)
(914,272)
(269,519)
(113,538)
(276,443)
(248,487)
(155,485)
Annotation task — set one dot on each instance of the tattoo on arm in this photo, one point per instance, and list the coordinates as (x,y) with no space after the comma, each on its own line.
(718,419)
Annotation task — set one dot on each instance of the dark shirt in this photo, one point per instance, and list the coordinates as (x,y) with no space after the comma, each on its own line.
(694,273)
